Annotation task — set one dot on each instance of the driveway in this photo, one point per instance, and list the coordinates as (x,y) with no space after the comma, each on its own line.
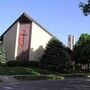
(71,84)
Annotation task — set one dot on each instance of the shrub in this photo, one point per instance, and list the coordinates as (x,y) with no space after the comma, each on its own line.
(14,63)
(2,55)
(34,64)
(55,57)
(23,63)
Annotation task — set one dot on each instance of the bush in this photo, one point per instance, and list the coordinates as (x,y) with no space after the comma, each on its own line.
(16,63)
(34,64)
(23,63)
(55,57)
(2,55)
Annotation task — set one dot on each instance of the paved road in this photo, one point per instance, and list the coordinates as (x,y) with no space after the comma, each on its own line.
(72,84)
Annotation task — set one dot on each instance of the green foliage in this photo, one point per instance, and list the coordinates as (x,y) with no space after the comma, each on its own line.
(2,55)
(85,7)
(17,71)
(17,63)
(55,57)
(82,49)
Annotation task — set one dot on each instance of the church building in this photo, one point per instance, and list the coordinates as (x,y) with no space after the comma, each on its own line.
(25,39)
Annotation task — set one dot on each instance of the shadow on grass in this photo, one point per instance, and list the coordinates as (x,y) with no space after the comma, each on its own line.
(17,71)
(38,77)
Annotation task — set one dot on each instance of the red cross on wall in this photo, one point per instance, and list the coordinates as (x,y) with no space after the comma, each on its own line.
(21,38)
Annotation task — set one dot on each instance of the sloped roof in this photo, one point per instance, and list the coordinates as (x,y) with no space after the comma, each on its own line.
(30,20)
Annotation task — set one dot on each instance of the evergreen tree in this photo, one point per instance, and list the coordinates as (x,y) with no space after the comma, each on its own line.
(55,56)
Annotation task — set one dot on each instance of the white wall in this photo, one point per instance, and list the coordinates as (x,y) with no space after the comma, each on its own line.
(9,42)
(39,40)
(17,36)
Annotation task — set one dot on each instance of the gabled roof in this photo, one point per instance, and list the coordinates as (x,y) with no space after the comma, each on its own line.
(29,19)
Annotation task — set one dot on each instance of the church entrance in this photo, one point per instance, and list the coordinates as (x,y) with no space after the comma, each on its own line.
(23,42)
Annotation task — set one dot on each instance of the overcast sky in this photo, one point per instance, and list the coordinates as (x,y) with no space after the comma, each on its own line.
(59,17)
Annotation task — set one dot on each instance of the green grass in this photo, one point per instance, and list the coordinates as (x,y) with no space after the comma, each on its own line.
(28,73)
(26,78)
(74,75)
(23,71)
(40,77)
(17,71)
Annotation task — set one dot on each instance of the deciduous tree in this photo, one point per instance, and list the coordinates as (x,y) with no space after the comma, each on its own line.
(82,50)
(85,7)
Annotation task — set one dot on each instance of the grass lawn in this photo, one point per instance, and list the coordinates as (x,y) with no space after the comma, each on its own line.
(74,75)
(33,77)
(23,71)
(17,71)
(49,77)
(28,73)
(38,77)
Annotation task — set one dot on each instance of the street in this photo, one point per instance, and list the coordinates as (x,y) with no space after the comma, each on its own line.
(70,84)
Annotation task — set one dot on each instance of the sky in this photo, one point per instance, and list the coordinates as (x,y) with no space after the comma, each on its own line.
(59,17)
